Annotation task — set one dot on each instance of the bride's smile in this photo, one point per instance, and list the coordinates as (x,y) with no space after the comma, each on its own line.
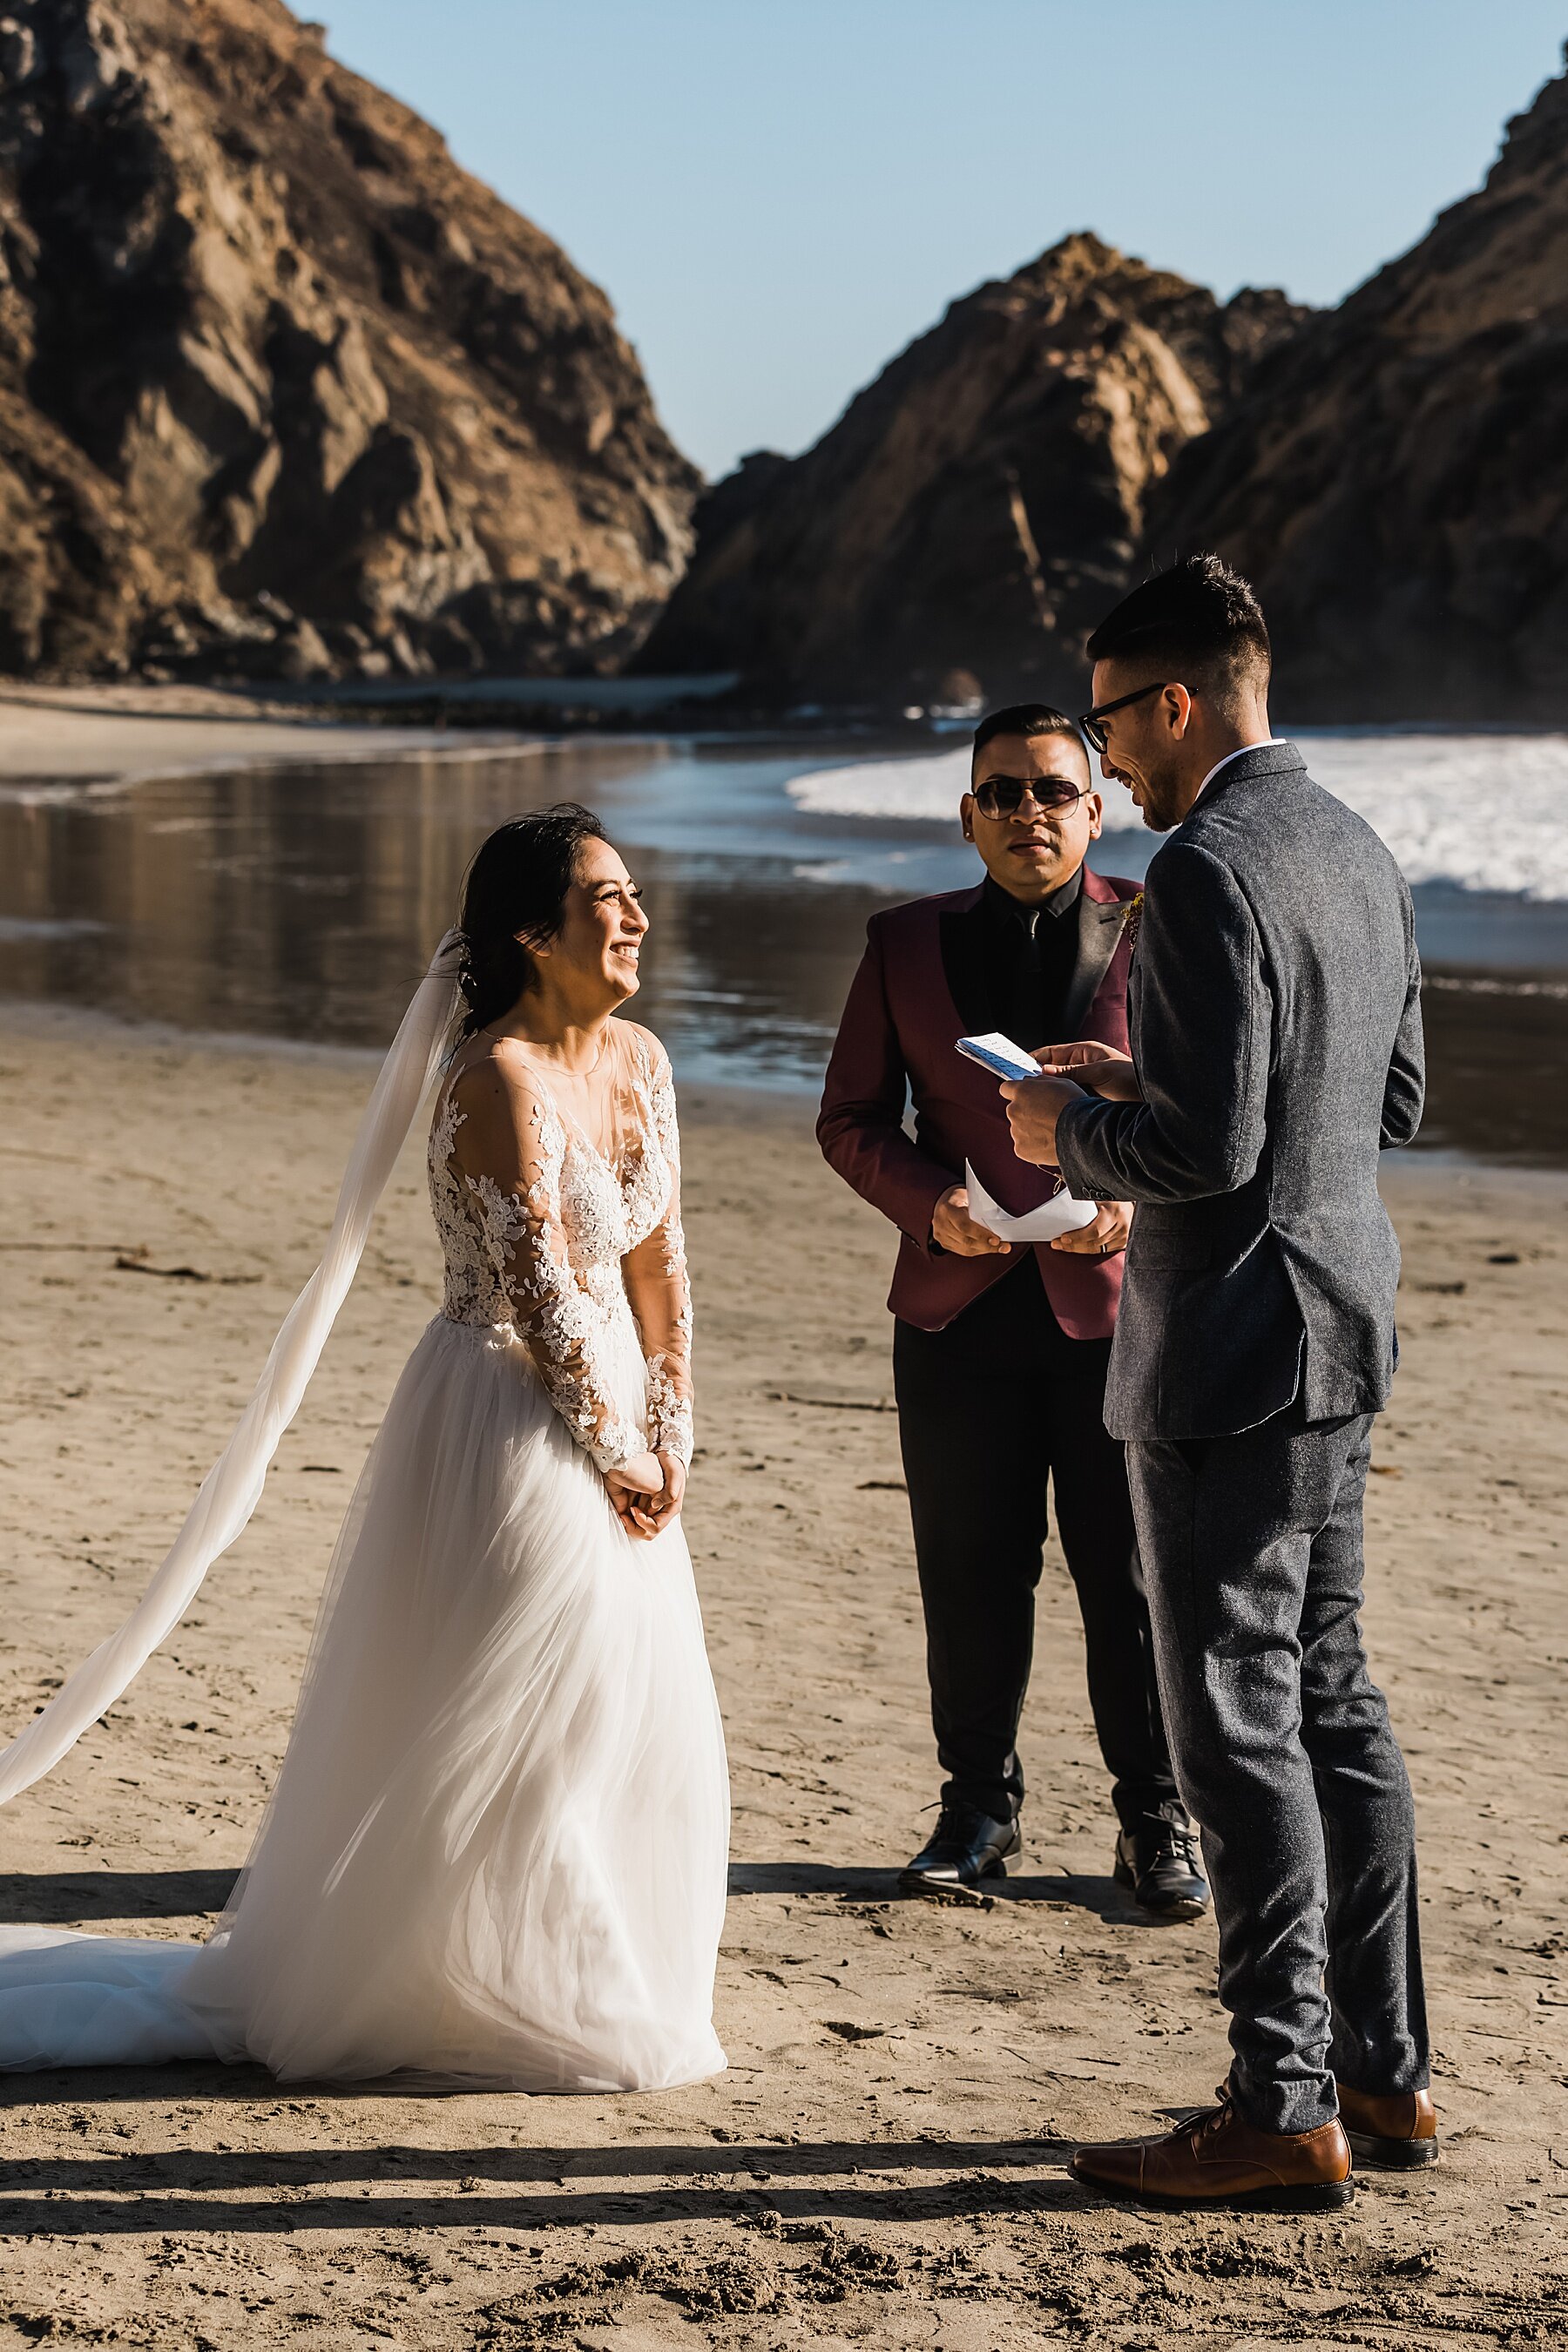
(590,964)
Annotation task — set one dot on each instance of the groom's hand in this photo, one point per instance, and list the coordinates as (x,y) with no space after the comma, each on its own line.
(1034,1107)
(1100,1068)
(953,1228)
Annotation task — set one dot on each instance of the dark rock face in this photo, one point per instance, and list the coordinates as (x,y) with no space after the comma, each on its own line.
(1395,480)
(282,389)
(975,509)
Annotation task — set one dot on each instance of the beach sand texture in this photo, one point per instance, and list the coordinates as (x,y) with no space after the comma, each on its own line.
(884,2163)
(65,739)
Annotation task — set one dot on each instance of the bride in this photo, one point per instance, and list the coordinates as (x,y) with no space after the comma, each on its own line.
(496,1845)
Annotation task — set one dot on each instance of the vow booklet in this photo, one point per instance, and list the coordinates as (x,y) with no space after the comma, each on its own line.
(997,1054)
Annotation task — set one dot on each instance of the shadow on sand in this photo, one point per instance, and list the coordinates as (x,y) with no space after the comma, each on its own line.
(53,1898)
(70,1898)
(1060,1891)
(268,2192)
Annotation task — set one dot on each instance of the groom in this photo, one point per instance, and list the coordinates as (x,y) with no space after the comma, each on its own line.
(1276,1036)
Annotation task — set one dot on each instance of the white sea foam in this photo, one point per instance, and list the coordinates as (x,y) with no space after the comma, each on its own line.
(1483,811)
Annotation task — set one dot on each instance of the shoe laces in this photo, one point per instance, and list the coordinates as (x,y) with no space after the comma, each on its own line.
(959,1820)
(1177,1844)
(1204,2122)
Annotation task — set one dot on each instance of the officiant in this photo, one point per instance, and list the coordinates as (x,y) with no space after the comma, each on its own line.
(1000,1349)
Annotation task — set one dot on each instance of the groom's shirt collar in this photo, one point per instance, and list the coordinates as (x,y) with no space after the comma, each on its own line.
(1226,760)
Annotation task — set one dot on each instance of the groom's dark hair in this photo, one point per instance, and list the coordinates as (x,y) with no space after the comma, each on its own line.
(1198,624)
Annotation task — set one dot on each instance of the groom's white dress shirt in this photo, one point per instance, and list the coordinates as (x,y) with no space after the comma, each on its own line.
(1230,756)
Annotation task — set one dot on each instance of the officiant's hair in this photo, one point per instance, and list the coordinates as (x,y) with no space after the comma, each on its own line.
(1027,719)
(1197,624)
(518,882)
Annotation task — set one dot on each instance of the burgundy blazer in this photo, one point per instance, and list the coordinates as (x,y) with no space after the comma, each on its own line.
(923,984)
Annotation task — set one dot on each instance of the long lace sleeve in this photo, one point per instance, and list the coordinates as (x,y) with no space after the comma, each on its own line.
(660,1288)
(518,1205)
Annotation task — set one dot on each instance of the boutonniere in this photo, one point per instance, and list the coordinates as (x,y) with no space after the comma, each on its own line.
(1130,921)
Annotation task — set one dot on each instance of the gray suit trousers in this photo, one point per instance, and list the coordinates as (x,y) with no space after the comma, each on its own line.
(1282,1749)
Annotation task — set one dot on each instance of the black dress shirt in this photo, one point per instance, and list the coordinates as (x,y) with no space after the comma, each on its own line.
(1031,952)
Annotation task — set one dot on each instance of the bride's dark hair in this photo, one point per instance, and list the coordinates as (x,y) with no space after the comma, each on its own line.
(518,882)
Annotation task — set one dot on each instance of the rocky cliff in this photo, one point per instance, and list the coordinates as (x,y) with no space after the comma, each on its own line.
(284,390)
(976,507)
(1396,480)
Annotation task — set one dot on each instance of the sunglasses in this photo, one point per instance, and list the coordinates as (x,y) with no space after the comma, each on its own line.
(1090,722)
(1005,795)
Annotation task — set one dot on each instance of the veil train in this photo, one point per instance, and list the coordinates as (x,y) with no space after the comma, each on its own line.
(233,1487)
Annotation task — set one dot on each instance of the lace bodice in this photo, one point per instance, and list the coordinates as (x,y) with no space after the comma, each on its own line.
(560,1242)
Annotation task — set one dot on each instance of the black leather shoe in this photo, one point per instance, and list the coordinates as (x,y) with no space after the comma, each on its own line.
(1159,1861)
(964,1847)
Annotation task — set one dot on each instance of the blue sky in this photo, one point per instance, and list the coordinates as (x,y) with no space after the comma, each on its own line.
(778,194)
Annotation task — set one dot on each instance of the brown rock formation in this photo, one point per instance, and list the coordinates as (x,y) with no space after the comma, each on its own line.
(976,509)
(283,388)
(1395,481)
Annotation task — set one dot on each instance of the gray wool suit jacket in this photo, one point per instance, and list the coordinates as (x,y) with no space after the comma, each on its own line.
(1275,1017)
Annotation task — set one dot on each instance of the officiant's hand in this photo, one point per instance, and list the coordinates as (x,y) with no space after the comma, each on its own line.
(952,1227)
(1105,1233)
(637,1488)
(1102,1068)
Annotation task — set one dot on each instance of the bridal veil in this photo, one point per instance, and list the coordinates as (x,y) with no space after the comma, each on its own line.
(232,1488)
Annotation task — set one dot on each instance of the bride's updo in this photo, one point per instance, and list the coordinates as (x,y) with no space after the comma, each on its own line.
(518,882)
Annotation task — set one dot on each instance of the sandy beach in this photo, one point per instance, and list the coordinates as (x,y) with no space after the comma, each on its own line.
(883,2164)
(418,421)
(57,739)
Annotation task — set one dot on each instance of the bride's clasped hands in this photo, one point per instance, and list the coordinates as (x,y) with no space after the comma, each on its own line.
(647,1493)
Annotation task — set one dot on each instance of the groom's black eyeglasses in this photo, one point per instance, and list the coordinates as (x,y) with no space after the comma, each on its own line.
(1090,720)
(1004,795)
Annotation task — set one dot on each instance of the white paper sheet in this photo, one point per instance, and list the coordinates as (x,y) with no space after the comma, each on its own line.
(1060,1214)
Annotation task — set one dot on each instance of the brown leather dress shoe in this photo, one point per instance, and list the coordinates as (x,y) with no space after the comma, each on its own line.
(1393,2131)
(1218,2159)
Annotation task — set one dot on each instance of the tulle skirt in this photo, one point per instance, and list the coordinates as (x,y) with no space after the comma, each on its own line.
(497,1847)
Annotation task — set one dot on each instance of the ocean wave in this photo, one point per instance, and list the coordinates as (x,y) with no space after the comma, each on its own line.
(1481,811)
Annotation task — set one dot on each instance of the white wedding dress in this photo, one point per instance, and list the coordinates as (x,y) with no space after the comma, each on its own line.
(497,1846)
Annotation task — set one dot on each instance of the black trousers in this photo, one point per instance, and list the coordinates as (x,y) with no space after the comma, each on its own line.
(989,1411)
(1252,1545)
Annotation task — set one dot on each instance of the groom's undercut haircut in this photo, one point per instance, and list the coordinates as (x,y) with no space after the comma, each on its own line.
(1027,719)
(1198,624)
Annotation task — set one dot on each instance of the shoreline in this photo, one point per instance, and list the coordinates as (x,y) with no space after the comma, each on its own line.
(86,742)
(772,1103)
